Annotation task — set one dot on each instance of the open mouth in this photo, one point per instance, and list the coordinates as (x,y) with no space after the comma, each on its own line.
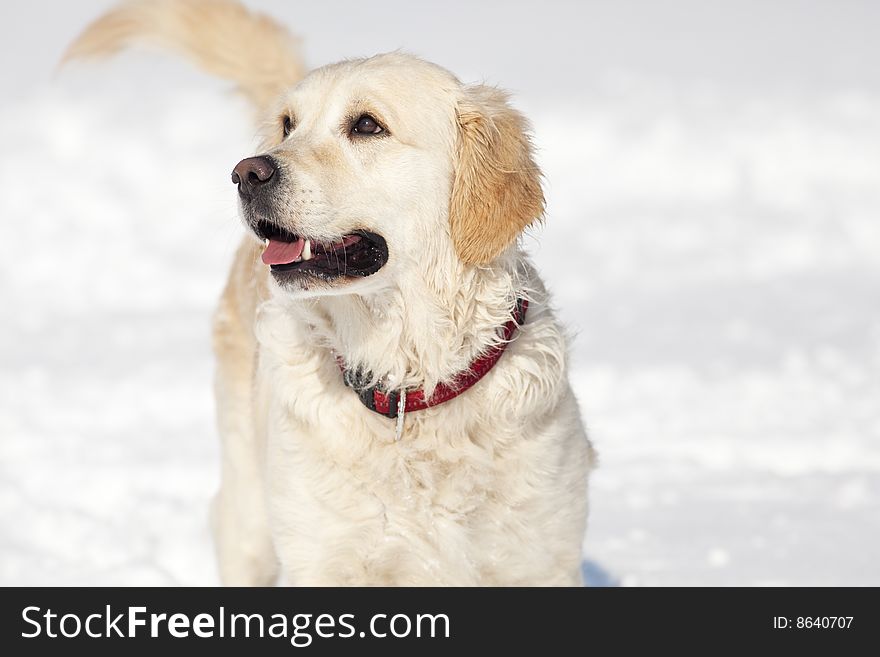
(357,254)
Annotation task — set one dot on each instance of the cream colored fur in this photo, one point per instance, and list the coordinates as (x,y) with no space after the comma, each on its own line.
(486,489)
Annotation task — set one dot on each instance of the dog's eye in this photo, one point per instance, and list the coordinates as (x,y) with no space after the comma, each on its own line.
(366,125)
(287,125)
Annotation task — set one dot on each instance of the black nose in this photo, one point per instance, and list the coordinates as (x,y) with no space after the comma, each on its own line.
(252,173)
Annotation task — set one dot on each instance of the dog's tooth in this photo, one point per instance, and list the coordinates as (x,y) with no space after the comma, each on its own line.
(307,250)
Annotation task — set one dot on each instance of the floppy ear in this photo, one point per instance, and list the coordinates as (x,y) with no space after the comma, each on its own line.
(496,191)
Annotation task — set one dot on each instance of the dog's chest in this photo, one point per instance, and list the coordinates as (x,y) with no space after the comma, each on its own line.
(341,486)
(319,433)
(485,488)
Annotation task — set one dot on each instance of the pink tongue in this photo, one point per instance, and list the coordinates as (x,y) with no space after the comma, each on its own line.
(282,253)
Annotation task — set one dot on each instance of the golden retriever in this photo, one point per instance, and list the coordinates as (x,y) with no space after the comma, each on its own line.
(391,380)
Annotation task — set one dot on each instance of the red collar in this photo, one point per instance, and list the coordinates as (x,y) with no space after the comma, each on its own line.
(387,403)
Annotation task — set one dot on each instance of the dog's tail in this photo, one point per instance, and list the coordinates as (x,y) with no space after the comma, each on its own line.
(260,56)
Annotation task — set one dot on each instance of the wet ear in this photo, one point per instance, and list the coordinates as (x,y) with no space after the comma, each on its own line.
(496,191)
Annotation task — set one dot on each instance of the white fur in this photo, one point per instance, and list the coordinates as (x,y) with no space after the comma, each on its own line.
(486,489)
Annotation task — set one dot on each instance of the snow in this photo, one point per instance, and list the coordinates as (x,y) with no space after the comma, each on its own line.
(727,301)
(714,250)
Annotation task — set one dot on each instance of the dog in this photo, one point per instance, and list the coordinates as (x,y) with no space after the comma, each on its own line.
(391,381)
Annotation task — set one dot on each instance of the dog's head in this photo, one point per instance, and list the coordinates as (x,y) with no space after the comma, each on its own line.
(374,166)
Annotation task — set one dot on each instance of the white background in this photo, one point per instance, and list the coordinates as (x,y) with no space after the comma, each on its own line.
(712,239)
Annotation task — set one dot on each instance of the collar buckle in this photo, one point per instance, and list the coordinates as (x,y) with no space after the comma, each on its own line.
(356,380)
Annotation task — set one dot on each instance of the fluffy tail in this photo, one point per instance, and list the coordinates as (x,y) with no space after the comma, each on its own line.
(221,36)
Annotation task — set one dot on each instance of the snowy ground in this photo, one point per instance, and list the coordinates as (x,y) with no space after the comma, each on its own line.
(717,254)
